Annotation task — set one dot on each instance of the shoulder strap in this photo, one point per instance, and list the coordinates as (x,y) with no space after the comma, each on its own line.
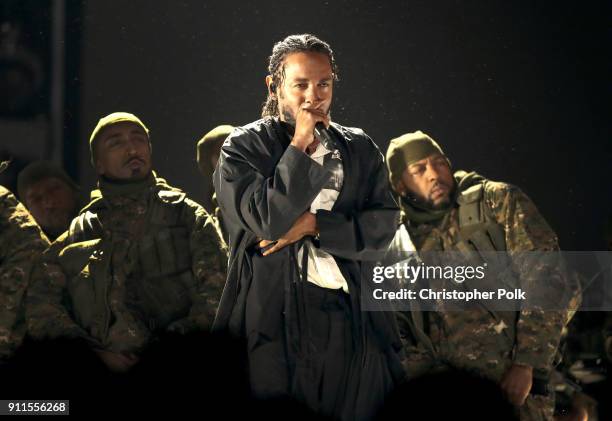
(171,196)
(86,226)
(476,223)
(167,207)
(469,206)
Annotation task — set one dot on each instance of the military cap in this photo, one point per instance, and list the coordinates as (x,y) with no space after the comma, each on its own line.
(210,144)
(109,120)
(39,170)
(408,149)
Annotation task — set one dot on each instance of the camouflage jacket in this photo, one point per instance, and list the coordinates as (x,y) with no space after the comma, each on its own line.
(607,336)
(21,243)
(532,335)
(137,260)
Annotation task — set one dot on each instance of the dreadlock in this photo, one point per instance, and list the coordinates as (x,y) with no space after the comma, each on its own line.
(276,68)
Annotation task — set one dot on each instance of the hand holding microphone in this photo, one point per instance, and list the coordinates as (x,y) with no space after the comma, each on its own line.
(310,122)
(322,134)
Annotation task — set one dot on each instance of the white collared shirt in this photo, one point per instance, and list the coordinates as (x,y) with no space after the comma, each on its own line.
(323,270)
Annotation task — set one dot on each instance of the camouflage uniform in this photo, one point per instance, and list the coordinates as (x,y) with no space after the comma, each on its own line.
(478,340)
(140,258)
(21,242)
(208,147)
(607,334)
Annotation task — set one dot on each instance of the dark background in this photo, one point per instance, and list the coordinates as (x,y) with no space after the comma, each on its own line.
(518,91)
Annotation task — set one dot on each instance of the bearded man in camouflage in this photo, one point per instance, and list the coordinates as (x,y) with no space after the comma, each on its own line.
(21,243)
(462,213)
(141,258)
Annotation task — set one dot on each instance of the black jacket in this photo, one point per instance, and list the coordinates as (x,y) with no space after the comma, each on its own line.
(263,185)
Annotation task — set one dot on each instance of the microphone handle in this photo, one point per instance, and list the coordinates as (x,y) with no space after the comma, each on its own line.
(323,136)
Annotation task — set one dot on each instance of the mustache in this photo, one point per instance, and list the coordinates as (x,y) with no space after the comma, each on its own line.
(440,184)
(134,158)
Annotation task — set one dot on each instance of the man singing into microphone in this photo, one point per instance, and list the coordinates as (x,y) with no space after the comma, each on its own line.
(303,213)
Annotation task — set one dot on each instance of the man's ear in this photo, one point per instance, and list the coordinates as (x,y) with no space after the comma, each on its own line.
(400,187)
(99,167)
(270,84)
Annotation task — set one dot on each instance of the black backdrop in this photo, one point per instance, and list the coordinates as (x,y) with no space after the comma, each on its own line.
(518,91)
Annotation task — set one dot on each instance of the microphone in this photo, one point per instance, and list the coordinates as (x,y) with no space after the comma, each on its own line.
(323,136)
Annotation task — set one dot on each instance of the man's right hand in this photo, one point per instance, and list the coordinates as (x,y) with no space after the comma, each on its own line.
(305,120)
(516,383)
(117,362)
(305,225)
(608,347)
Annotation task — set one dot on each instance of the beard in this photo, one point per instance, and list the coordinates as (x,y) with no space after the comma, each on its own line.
(445,200)
(139,174)
(56,222)
(287,115)
(428,203)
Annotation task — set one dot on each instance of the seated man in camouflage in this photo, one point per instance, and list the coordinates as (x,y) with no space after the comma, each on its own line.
(50,195)
(208,151)
(513,348)
(21,243)
(139,259)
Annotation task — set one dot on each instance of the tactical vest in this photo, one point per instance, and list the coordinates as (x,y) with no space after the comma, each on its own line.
(481,236)
(479,232)
(478,229)
(161,269)
(480,239)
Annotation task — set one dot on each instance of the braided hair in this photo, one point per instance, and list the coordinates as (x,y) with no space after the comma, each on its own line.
(292,44)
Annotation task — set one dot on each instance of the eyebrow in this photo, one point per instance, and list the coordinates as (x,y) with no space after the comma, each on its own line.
(32,196)
(112,136)
(135,131)
(303,79)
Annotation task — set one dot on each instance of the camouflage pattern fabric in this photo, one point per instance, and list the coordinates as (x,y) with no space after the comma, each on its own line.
(476,340)
(152,260)
(607,334)
(21,243)
(220,224)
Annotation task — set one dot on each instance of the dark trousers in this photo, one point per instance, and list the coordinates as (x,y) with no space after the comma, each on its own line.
(319,373)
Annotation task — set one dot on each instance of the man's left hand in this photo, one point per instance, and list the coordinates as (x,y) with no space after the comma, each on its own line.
(516,383)
(306,224)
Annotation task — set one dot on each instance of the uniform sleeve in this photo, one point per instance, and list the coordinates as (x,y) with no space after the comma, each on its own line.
(46,314)
(539,326)
(262,198)
(209,265)
(607,335)
(357,235)
(21,243)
